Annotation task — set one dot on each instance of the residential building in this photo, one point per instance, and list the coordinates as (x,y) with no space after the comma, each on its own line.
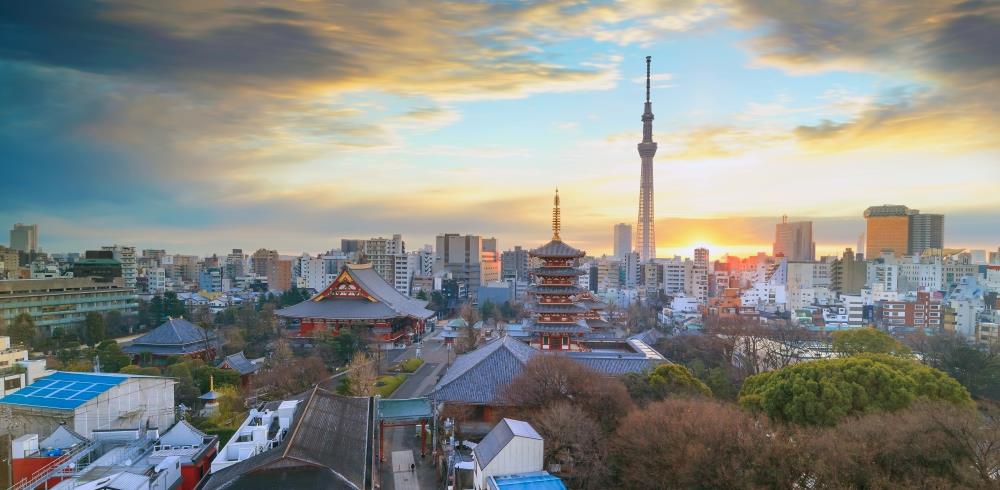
(210,279)
(9,263)
(888,229)
(675,271)
(261,261)
(279,275)
(633,269)
(609,274)
(794,241)
(405,266)
(514,265)
(381,254)
(314,273)
(24,238)
(351,246)
(263,429)
(63,302)
(920,313)
(848,274)
(926,232)
(460,255)
(236,264)
(125,256)
(489,263)
(622,240)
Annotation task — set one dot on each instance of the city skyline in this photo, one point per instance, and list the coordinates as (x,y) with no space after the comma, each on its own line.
(146,134)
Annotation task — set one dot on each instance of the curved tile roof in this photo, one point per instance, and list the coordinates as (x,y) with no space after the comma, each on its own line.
(478,376)
(174,336)
(556,271)
(389,302)
(557,249)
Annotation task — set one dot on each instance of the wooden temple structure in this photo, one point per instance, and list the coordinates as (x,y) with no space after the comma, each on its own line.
(557,319)
(359,298)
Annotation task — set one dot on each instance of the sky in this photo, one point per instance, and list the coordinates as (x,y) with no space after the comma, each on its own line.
(200,126)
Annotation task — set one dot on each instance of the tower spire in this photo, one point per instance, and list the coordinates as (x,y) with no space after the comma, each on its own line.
(645,242)
(649,59)
(556,223)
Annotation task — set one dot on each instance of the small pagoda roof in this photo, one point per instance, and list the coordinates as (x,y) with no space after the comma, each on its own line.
(358,293)
(176,336)
(238,362)
(557,249)
(557,271)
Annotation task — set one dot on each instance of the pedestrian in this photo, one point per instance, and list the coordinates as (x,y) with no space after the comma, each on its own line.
(412,467)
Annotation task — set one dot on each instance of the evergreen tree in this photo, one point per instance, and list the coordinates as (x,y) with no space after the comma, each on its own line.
(94,328)
(23,331)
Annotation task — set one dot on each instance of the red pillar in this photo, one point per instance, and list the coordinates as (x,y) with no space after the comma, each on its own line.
(423,437)
(381,440)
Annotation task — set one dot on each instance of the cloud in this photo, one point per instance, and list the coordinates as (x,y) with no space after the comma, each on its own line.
(947,47)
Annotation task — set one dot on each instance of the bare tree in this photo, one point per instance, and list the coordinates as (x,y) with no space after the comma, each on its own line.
(362,375)
(574,441)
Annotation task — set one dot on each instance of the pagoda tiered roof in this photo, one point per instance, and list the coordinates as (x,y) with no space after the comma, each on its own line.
(556,308)
(358,293)
(557,271)
(556,249)
(578,327)
(554,289)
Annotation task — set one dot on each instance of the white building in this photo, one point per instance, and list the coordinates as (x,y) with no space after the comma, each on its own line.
(511,447)
(406,266)
(253,437)
(88,402)
(633,270)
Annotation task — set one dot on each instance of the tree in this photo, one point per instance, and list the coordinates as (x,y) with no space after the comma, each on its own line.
(277,382)
(361,375)
(470,340)
(422,295)
(144,371)
(549,379)
(488,310)
(693,443)
(977,368)
(574,440)
(111,356)
(23,331)
(114,323)
(866,340)
(666,380)
(340,348)
(825,391)
(93,328)
(185,391)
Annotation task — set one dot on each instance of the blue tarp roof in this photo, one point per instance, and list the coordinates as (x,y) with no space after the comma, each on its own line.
(64,390)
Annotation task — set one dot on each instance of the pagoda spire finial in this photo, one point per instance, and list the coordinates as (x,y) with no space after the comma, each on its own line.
(556,222)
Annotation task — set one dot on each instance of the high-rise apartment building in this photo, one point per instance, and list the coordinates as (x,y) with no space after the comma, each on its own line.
(381,254)
(9,263)
(926,232)
(793,240)
(235,264)
(888,229)
(622,240)
(633,270)
(126,256)
(460,255)
(24,238)
(279,275)
(848,274)
(261,261)
(514,265)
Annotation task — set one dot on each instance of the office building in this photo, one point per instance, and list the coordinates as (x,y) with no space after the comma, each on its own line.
(235,264)
(622,237)
(381,254)
(794,241)
(887,229)
(261,261)
(24,238)
(848,274)
(460,255)
(926,232)
(9,263)
(514,264)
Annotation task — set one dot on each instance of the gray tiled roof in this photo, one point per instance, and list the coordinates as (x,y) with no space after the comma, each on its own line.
(238,362)
(174,336)
(554,289)
(556,271)
(389,302)
(330,431)
(499,437)
(478,376)
(614,366)
(556,308)
(579,327)
(557,248)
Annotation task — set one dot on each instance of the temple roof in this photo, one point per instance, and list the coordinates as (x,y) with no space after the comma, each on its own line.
(478,376)
(238,362)
(553,289)
(557,249)
(176,336)
(556,308)
(358,293)
(557,271)
(580,326)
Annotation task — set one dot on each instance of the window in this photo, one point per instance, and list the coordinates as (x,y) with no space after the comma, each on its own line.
(11,384)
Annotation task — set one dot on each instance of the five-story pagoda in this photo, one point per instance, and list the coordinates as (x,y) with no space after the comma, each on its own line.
(557,320)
